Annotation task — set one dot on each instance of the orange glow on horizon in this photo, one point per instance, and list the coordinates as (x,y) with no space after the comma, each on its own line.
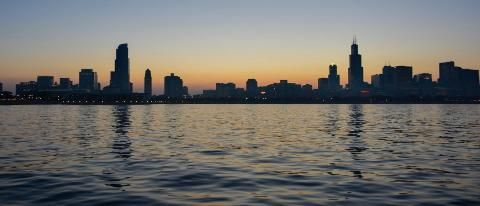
(203,71)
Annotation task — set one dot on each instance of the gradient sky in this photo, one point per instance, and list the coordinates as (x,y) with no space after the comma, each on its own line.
(208,41)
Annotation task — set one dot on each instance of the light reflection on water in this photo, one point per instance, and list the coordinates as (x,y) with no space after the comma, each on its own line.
(240,154)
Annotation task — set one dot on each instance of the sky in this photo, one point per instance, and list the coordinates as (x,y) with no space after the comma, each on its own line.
(209,41)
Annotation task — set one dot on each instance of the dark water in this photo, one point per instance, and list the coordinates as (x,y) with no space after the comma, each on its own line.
(240,155)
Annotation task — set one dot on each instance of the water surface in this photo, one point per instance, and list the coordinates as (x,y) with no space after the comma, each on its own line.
(240,155)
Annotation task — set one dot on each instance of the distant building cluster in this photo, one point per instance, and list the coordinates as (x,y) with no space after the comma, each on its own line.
(88,82)
(394,81)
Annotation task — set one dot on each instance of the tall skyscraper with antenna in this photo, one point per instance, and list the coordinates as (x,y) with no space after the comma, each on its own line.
(355,71)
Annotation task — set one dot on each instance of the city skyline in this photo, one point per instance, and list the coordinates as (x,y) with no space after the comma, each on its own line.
(392,81)
(205,48)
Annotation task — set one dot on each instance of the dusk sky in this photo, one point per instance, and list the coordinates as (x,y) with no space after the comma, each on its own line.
(209,41)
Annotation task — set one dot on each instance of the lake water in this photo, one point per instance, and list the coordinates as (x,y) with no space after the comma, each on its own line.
(240,155)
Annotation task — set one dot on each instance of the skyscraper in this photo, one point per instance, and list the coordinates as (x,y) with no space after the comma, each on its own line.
(355,71)
(120,78)
(225,90)
(323,84)
(377,81)
(26,87)
(88,80)
(173,86)
(469,82)
(44,82)
(65,83)
(399,76)
(458,81)
(148,83)
(424,84)
(1,87)
(333,79)
(252,88)
(395,81)
(307,91)
(447,74)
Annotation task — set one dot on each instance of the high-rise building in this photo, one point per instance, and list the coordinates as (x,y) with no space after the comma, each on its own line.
(252,88)
(87,80)
(404,76)
(225,90)
(307,91)
(26,87)
(469,82)
(397,77)
(355,71)
(120,78)
(282,90)
(448,76)
(323,84)
(148,83)
(458,81)
(424,84)
(44,82)
(1,87)
(394,81)
(65,83)
(377,81)
(333,79)
(173,86)
(185,90)
(388,77)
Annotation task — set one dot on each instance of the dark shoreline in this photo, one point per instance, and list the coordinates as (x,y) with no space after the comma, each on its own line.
(240,102)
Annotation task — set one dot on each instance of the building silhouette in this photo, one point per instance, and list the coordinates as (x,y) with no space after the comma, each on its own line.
(65,83)
(88,80)
(185,91)
(173,87)
(225,90)
(307,91)
(377,81)
(423,78)
(355,71)
(25,87)
(282,90)
(252,88)
(396,82)
(45,82)
(448,75)
(424,83)
(396,79)
(209,93)
(1,87)
(470,85)
(333,79)
(456,81)
(120,77)
(323,85)
(148,83)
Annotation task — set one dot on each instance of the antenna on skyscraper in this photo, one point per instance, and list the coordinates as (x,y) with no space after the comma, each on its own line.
(354,39)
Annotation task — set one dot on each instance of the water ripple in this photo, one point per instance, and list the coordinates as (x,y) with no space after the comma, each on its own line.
(240,155)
